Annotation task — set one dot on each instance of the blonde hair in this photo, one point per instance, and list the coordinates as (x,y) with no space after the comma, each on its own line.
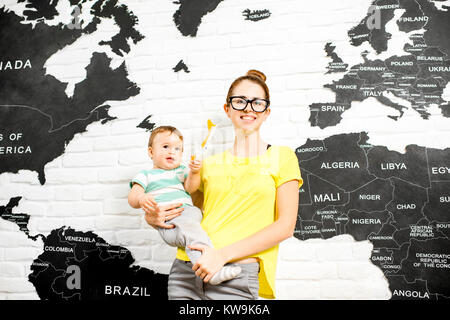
(161,129)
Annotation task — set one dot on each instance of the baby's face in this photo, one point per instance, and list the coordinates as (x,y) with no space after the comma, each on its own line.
(166,151)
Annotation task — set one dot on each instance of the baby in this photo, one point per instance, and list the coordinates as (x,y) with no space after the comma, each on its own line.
(171,182)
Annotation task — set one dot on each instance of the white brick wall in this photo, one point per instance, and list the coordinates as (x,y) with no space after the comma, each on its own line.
(87,187)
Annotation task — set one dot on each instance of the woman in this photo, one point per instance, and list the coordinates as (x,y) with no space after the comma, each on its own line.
(250,205)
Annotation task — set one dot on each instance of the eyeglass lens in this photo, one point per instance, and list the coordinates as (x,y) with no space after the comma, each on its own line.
(258,105)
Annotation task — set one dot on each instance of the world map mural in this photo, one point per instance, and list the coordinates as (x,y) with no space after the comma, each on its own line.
(400,202)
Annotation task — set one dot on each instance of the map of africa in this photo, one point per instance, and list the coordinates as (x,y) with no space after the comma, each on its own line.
(398,201)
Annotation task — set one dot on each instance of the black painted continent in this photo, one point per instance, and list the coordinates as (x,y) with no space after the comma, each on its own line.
(79,265)
(398,201)
(34,107)
(190,13)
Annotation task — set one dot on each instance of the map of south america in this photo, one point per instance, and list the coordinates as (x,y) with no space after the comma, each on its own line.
(79,265)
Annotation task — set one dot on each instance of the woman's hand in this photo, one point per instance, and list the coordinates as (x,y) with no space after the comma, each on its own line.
(156,216)
(209,263)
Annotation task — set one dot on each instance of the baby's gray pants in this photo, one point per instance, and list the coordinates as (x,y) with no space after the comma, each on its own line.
(187,231)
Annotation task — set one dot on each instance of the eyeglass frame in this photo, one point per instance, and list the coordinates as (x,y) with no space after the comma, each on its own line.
(247,101)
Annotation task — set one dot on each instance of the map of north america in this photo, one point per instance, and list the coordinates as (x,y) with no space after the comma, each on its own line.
(37,118)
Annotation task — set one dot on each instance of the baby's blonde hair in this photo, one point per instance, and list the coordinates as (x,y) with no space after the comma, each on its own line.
(161,129)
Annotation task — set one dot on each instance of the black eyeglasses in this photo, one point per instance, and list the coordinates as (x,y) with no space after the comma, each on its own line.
(240,103)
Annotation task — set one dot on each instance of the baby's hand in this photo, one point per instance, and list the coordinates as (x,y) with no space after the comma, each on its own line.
(195,166)
(147,201)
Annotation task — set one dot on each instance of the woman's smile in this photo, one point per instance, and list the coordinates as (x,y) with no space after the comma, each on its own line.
(248,117)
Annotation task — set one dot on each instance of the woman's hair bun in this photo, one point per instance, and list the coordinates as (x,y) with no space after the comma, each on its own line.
(256,73)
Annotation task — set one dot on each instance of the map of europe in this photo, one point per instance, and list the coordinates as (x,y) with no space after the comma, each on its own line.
(418,77)
(400,202)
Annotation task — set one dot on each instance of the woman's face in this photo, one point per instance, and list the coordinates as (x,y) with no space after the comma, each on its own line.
(247,120)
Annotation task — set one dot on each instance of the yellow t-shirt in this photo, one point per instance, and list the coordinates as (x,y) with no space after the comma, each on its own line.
(239,200)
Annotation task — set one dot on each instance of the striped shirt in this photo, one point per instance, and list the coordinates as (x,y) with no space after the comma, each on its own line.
(166,186)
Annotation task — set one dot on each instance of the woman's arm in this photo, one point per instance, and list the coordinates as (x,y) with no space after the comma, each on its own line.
(155,215)
(197,199)
(282,228)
